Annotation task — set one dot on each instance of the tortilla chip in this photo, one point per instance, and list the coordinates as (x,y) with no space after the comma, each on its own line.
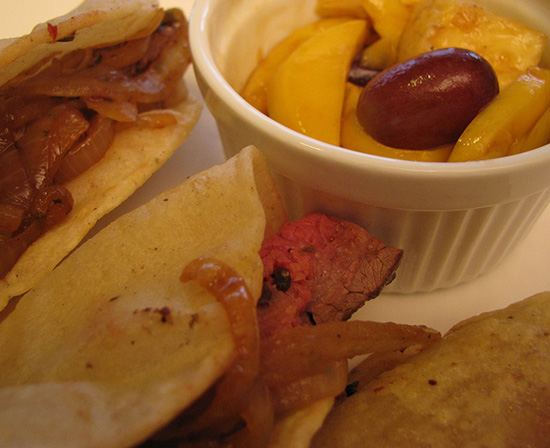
(135,155)
(485,384)
(112,346)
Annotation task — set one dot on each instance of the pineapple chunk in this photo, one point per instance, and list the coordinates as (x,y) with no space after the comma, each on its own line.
(354,137)
(509,46)
(503,127)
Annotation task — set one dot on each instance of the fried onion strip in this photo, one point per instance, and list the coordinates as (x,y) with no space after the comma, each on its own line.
(303,351)
(232,292)
(305,391)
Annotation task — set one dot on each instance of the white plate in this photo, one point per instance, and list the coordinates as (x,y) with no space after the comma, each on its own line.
(525,272)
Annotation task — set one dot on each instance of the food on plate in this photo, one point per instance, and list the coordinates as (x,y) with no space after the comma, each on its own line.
(354,136)
(255,90)
(388,18)
(355,266)
(485,383)
(393,54)
(92,103)
(510,47)
(149,329)
(312,79)
(427,101)
(510,124)
(344,8)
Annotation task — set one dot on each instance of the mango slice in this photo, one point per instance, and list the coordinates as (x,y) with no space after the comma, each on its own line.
(509,46)
(389,18)
(306,93)
(512,115)
(255,90)
(333,8)
(354,137)
(537,137)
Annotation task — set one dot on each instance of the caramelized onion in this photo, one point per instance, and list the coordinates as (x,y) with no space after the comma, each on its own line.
(15,187)
(304,351)
(28,109)
(52,204)
(74,61)
(156,120)
(145,82)
(259,420)
(124,54)
(11,218)
(232,292)
(305,391)
(46,141)
(87,152)
(377,363)
(45,136)
(121,111)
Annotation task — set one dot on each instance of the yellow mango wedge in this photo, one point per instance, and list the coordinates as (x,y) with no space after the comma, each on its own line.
(538,136)
(354,137)
(512,115)
(306,93)
(255,90)
(389,18)
(333,8)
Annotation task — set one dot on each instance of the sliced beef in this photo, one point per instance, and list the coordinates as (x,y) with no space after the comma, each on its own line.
(321,268)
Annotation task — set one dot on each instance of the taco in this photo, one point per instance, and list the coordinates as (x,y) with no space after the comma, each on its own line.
(149,332)
(91,104)
(484,384)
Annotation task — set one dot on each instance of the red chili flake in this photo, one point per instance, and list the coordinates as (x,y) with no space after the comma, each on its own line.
(52,30)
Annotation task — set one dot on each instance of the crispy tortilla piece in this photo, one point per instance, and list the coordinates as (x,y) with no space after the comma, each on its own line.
(112,346)
(297,429)
(485,383)
(136,153)
(93,23)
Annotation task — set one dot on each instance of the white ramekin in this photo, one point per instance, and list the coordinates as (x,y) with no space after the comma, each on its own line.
(454,221)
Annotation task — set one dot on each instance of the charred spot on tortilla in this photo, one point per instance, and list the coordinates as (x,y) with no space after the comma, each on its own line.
(60,114)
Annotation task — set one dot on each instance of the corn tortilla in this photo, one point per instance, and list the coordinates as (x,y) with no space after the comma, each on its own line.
(86,358)
(136,153)
(485,384)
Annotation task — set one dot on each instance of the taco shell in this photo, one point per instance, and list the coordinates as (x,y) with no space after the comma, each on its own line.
(137,151)
(112,345)
(485,384)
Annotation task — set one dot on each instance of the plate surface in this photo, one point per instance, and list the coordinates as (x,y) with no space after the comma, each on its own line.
(523,273)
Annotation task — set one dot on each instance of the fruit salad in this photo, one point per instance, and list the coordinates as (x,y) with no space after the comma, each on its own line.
(424,80)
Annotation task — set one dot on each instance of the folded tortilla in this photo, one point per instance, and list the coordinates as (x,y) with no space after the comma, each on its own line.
(89,357)
(136,153)
(485,384)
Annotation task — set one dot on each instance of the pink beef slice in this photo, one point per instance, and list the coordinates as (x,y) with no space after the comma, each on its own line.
(321,268)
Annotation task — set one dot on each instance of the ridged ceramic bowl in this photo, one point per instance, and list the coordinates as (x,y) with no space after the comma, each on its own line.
(454,221)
